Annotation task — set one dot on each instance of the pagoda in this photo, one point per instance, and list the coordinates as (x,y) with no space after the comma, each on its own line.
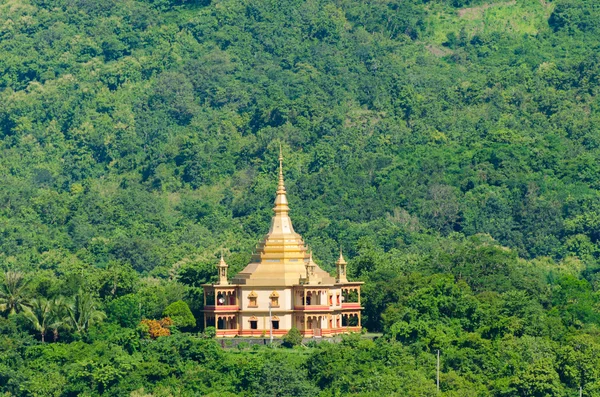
(282,287)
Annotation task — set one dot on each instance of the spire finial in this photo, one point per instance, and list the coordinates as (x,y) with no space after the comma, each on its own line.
(281,223)
(280,153)
(281,186)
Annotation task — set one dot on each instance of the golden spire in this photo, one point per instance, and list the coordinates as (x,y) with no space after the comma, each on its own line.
(281,186)
(281,202)
(281,257)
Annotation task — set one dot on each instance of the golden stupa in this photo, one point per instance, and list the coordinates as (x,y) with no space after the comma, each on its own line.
(282,287)
(280,258)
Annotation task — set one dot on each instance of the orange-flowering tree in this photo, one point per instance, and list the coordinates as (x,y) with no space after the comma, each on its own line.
(156,328)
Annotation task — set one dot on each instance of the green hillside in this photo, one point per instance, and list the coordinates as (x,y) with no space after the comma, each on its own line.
(452,147)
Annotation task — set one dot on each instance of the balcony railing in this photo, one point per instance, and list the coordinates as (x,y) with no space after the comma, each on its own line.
(221,308)
(312,307)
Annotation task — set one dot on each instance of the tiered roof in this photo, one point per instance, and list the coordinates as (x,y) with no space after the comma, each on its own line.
(281,257)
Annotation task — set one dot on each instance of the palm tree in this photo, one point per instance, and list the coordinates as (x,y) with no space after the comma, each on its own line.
(13,293)
(83,312)
(40,315)
(60,316)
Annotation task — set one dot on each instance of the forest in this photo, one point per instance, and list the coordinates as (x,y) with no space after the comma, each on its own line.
(451,147)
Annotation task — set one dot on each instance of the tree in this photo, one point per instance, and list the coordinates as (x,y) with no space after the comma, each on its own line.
(83,312)
(60,316)
(292,338)
(40,315)
(125,310)
(283,378)
(119,279)
(181,314)
(156,328)
(538,380)
(14,293)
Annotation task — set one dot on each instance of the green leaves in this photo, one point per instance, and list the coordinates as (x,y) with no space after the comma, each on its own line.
(139,138)
(539,379)
(41,315)
(181,315)
(125,310)
(573,16)
(292,338)
(14,296)
(83,312)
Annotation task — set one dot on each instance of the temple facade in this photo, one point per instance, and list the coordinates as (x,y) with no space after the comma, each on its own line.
(282,287)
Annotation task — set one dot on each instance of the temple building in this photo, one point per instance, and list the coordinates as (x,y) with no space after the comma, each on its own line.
(282,287)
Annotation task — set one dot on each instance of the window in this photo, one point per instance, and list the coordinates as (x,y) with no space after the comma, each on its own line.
(275,324)
(253,322)
(274,299)
(330,300)
(252,299)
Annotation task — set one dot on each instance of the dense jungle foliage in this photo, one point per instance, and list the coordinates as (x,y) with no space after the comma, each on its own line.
(452,147)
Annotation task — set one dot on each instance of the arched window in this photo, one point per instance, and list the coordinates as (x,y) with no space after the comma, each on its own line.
(252,296)
(253,322)
(274,299)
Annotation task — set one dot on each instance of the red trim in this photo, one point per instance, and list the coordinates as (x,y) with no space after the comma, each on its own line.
(312,308)
(227,332)
(325,332)
(351,305)
(221,308)
(255,332)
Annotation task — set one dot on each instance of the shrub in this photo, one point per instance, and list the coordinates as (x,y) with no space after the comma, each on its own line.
(155,328)
(181,314)
(292,338)
(125,311)
(210,332)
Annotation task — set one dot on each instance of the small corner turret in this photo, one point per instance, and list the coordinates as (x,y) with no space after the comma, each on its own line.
(311,276)
(341,269)
(222,266)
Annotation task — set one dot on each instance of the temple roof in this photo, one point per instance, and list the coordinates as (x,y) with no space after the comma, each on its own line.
(281,257)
